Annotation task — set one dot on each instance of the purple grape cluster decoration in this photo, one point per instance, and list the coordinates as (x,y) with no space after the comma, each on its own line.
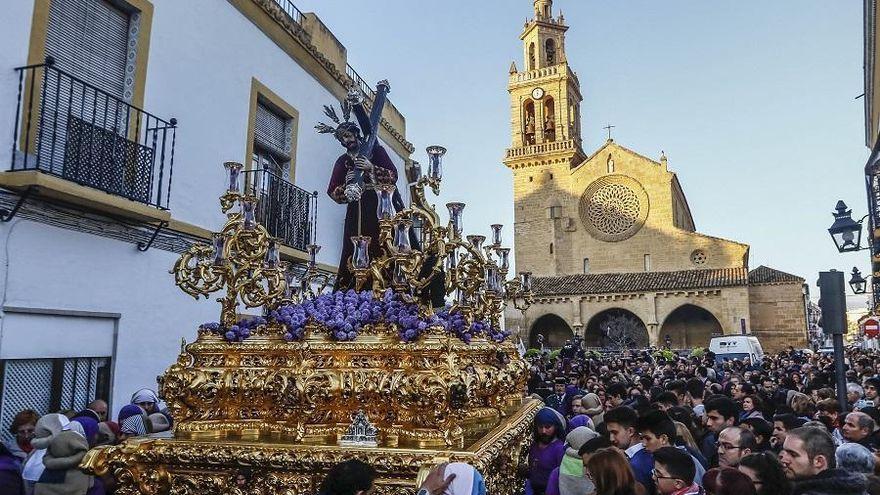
(345,314)
(238,332)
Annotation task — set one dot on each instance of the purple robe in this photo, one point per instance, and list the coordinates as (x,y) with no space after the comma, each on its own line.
(542,461)
(366,208)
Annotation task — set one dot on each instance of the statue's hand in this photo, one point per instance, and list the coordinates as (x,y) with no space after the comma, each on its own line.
(362,163)
(353,192)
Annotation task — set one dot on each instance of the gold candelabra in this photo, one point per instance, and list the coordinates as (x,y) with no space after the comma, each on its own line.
(415,247)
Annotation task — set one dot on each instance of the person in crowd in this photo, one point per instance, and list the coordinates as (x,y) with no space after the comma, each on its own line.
(828,412)
(766,473)
(782,423)
(351,477)
(133,422)
(762,430)
(10,473)
(47,428)
(855,458)
(854,392)
(591,446)
(752,406)
(734,443)
(721,412)
(727,481)
(622,423)
(871,387)
(559,400)
(696,389)
(592,406)
(23,425)
(611,473)
(658,430)
(62,475)
(568,478)
(547,450)
(149,401)
(674,473)
(808,460)
(859,428)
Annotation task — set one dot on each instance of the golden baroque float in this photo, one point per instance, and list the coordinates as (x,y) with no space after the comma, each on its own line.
(262,407)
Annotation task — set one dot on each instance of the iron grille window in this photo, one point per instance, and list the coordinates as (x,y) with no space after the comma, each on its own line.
(50,385)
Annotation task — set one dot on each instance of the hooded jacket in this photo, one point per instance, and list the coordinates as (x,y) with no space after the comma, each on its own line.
(832,482)
(62,475)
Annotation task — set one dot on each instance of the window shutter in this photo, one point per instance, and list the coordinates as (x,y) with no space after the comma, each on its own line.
(272,133)
(89,39)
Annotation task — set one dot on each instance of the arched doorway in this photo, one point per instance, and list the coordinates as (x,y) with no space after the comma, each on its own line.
(554,329)
(616,328)
(689,326)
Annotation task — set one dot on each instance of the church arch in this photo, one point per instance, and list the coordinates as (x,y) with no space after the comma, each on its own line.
(554,329)
(616,327)
(550,50)
(549,119)
(689,326)
(531,56)
(528,122)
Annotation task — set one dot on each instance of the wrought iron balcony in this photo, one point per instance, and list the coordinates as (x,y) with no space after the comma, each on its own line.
(288,212)
(68,128)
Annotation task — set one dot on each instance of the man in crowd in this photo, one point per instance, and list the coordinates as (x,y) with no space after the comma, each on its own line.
(559,400)
(733,444)
(859,428)
(674,473)
(657,431)
(548,449)
(808,460)
(782,423)
(721,412)
(622,423)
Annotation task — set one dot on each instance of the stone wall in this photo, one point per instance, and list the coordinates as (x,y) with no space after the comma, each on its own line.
(778,315)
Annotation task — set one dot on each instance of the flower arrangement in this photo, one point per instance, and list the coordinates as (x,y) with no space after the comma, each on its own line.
(238,332)
(345,314)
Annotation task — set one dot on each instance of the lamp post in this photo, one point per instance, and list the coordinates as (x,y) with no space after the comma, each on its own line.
(846,233)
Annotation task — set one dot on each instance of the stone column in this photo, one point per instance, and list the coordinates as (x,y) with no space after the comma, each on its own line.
(653,334)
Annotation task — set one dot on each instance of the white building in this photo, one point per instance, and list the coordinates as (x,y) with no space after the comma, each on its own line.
(85,313)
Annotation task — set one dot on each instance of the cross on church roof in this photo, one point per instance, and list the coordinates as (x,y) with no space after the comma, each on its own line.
(608,128)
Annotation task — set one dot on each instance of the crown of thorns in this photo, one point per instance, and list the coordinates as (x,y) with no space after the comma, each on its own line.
(339,125)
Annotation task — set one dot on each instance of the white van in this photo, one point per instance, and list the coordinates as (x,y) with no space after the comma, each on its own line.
(737,347)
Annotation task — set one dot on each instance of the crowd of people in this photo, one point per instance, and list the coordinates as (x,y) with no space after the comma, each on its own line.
(44,455)
(645,422)
(626,423)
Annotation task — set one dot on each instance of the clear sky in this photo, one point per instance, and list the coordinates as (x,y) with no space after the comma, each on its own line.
(754,103)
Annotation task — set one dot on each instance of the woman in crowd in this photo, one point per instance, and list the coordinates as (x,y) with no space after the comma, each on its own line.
(46,429)
(22,427)
(610,471)
(751,408)
(727,481)
(766,473)
(62,475)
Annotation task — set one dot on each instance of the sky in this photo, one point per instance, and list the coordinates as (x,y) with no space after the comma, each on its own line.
(754,102)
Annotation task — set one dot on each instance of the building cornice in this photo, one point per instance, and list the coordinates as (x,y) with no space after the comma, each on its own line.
(297,43)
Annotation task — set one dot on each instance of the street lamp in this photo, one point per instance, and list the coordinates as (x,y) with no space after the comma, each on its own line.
(857,282)
(846,232)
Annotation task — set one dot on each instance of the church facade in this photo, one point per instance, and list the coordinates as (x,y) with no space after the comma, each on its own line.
(610,237)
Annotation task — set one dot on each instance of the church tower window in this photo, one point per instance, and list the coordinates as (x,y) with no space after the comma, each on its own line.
(529,123)
(532,56)
(647,262)
(586,265)
(551,248)
(550,50)
(549,119)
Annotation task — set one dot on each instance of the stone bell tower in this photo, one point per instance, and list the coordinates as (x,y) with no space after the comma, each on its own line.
(545,121)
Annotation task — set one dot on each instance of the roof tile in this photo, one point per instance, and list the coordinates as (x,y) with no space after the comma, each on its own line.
(606,283)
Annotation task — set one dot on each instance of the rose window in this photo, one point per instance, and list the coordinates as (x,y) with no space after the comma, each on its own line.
(614,208)
(698,257)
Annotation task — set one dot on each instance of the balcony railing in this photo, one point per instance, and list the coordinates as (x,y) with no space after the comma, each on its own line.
(71,129)
(288,212)
(290,9)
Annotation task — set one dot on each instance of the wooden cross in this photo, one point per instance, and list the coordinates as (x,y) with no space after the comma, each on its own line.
(608,128)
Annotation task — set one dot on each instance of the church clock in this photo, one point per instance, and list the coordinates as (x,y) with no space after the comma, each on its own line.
(538,93)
